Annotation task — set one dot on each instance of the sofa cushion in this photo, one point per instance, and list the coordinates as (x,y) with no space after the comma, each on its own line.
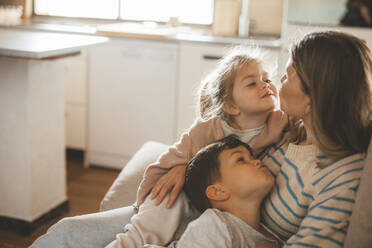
(360,228)
(124,189)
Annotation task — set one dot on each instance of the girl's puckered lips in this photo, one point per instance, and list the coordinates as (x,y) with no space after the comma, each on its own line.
(268,93)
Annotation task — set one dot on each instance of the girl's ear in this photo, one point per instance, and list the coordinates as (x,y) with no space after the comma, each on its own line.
(230,108)
(217,193)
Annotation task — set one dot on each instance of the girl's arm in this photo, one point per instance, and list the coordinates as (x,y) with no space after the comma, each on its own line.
(200,134)
(273,132)
(173,181)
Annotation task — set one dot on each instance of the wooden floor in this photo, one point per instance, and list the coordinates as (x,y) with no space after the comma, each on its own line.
(85,190)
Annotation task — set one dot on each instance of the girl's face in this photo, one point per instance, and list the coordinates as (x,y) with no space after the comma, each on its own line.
(253,92)
(293,101)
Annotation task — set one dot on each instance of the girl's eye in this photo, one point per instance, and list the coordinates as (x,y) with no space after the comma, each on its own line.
(251,84)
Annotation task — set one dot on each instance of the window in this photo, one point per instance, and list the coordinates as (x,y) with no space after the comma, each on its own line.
(187,11)
(107,9)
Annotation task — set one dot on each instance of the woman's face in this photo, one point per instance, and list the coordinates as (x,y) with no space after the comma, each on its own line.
(293,101)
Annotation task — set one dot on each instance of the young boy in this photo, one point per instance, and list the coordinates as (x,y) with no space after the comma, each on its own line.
(227,186)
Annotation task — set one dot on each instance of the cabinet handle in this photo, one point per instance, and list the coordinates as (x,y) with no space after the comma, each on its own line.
(211,57)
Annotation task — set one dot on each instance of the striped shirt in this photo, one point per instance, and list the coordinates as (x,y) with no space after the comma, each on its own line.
(310,206)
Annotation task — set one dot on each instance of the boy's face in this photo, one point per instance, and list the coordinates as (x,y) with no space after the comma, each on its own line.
(242,176)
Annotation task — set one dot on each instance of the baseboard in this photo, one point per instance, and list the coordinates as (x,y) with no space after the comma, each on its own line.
(26,227)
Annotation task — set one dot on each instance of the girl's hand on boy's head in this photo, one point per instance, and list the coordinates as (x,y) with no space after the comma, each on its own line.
(273,132)
(172,181)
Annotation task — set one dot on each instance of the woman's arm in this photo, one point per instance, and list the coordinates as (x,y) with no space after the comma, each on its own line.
(326,222)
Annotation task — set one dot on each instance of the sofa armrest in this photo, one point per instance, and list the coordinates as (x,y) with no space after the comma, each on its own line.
(359,231)
(124,189)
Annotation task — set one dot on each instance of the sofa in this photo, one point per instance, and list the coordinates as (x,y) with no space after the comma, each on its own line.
(123,192)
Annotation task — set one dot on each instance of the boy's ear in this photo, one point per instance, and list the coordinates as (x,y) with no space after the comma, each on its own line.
(230,108)
(217,193)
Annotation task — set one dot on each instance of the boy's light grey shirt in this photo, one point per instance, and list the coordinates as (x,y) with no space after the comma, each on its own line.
(218,229)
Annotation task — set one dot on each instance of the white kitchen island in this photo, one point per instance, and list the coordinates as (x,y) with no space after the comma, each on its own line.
(32,123)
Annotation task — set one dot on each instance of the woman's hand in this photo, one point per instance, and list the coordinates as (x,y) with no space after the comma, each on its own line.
(172,181)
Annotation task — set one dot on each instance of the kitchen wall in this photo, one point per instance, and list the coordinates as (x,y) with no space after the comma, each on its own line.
(319,12)
(266,16)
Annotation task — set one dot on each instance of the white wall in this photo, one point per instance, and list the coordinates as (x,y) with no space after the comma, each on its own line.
(316,11)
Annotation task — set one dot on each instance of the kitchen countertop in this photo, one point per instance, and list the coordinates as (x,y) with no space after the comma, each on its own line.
(154,32)
(40,45)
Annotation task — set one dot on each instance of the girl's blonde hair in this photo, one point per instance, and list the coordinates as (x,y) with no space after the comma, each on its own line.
(217,87)
(335,70)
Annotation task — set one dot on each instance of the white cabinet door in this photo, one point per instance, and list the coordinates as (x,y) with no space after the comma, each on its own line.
(132,98)
(76,126)
(75,72)
(196,60)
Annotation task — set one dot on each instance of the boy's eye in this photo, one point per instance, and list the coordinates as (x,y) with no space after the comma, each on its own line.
(240,159)
(251,84)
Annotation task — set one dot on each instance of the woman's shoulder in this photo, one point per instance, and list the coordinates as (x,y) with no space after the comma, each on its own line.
(330,174)
(328,165)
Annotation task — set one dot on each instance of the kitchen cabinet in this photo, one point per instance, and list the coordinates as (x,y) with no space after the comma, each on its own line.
(75,70)
(32,124)
(132,98)
(196,61)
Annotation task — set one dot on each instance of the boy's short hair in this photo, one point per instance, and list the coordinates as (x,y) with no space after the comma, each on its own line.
(204,170)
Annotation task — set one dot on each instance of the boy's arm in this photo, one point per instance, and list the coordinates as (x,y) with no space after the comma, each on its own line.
(154,224)
(200,134)
(205,231)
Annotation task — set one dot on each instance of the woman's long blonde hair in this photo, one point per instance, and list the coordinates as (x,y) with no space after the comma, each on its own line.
(217,87)
(335,70)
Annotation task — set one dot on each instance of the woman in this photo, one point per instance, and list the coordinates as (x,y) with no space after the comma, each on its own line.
(327,89)
(317,167)
(319,164)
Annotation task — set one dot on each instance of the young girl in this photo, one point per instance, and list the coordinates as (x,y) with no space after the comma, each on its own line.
(239,98)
